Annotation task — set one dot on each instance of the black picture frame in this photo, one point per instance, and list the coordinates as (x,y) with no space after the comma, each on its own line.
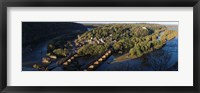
(101,3)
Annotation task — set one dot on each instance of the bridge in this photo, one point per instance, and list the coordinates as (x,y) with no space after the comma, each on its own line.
(95,64)
(68,60)
(65,62)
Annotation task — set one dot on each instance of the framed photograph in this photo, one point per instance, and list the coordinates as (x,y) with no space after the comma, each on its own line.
(99,46)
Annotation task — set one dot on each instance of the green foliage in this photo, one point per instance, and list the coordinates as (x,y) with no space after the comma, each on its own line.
(90,49)
(60,52)
(139,53)
(139,31)
(133,52)
(118,46)
(36,66)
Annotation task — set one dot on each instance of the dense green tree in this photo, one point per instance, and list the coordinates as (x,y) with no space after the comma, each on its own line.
(60,52)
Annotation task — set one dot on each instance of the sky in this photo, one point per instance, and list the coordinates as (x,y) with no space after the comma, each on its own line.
(129,22)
